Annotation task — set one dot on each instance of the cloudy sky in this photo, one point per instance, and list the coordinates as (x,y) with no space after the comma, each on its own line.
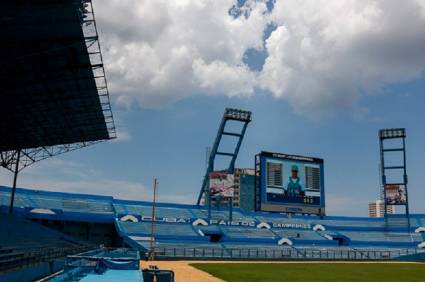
(321,78)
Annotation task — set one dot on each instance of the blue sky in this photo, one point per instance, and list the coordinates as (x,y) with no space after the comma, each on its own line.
(321,78)
(169,144)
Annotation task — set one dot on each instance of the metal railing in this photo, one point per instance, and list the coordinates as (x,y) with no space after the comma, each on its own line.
(23,258)
(286,253)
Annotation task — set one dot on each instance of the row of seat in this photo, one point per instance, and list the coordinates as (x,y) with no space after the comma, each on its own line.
(146,210)
(55,201)
(230,234)
(23,242)
(160,229)
(106,205)
(238,215)
(390,237)
(300,234)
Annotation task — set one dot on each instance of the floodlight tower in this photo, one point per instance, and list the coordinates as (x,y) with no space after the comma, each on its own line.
(229,115)
(395,189)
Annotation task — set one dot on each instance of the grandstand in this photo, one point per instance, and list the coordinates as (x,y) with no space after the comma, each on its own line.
(184,231)
(24,244)
(263,230)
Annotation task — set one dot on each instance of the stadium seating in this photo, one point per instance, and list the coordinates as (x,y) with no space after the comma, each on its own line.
(222,214)
(161,229)
(77,203)
(146,210)
(23,242)
(282,220)
(350,223)
(243,233)
(186,230)
(383,237)
(307,235)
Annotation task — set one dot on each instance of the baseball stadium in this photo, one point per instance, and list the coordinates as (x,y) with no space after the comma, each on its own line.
(266,222)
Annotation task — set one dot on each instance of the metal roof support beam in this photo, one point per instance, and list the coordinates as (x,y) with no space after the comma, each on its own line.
(15,178)
(54,96)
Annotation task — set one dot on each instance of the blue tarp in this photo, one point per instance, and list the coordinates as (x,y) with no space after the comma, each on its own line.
(112,275)
(120,265)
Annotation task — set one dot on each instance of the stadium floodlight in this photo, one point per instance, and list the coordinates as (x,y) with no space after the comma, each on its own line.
(237,114)
(392,133)
(394,193)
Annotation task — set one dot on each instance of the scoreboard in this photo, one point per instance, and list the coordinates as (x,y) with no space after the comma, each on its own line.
(289,183)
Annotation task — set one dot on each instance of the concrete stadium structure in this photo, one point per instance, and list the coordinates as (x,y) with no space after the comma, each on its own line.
(183,231)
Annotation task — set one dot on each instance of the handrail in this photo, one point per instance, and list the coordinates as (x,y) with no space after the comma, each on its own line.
(282,253)
(38,255)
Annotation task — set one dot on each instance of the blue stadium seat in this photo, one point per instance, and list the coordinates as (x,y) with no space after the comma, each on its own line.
(22,241)
(161,229)
(58,201)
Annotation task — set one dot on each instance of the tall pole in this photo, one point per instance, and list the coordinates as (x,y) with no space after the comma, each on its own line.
(15,177)
(207,156)
(209,204)
(405,180)
(230,208)
(152,247)
(383,178)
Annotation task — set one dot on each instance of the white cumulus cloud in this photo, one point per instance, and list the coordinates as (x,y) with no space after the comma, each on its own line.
(157,52)
(322,57)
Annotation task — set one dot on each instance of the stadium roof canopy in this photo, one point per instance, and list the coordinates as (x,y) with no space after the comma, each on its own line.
(53,91)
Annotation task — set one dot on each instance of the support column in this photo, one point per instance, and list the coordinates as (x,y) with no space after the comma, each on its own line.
(230,201)
(152,239)
(15,177)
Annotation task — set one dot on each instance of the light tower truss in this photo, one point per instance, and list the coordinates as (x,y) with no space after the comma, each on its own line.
(237,115)
(394,174)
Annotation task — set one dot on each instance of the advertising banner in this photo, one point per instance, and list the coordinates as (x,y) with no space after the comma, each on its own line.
(395,194)
(222,184)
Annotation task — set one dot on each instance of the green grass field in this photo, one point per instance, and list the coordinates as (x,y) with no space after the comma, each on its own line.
(312,272)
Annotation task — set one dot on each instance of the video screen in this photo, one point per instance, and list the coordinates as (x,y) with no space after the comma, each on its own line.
(291,180)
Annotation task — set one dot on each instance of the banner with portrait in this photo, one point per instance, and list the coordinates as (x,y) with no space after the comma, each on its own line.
(221,184)
(395,194)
